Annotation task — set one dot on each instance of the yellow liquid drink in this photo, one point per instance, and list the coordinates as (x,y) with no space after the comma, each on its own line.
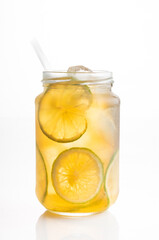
(77,143)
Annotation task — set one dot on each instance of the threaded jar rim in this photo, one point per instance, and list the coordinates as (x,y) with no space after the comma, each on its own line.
(95,77)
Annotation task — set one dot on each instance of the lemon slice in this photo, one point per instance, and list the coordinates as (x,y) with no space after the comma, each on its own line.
(77,175)
(62,112)
(112,178)
(41,176)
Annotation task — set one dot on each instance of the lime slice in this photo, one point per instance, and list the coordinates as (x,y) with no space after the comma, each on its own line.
(62,112)
(112,178)
(41,176)
(77,175)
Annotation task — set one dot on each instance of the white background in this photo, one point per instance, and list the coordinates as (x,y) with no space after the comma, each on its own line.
(117,35)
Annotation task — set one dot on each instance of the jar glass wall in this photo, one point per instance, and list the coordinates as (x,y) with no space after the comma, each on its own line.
(77,142)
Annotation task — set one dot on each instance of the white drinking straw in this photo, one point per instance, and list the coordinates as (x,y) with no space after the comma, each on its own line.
(40,54)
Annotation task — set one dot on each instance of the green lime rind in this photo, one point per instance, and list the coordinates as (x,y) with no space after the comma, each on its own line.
(46,178)
(105,177)
(100,167)
(76,81)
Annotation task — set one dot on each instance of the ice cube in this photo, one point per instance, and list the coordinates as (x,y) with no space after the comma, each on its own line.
(78,68)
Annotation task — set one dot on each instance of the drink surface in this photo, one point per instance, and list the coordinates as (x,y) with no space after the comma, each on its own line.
(77,142)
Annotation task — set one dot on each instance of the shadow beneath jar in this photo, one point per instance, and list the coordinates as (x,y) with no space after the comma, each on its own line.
(103,226)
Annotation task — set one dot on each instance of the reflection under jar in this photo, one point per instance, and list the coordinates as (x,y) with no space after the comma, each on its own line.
(98,227)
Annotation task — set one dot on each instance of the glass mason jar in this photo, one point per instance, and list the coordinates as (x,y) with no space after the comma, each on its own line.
(77,142)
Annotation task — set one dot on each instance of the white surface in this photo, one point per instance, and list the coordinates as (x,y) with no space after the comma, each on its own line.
(120,36)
